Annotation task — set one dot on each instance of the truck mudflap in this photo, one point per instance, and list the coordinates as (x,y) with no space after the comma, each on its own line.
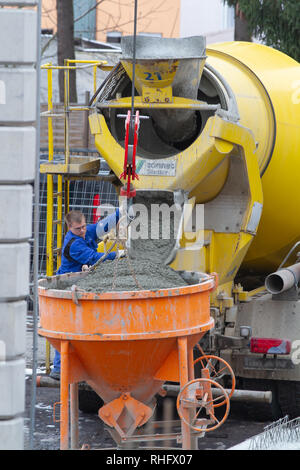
(267,363)
(265,367)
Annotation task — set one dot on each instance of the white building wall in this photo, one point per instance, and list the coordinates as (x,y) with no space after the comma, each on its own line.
(18,73)
(210,18)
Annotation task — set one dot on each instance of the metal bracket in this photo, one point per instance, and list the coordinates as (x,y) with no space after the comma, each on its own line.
(138,411)
(290,294)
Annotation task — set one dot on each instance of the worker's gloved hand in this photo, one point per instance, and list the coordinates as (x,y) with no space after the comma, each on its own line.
(105,225)
(127,214)
(85,267)
(110,236)
(121,254)
(131,214)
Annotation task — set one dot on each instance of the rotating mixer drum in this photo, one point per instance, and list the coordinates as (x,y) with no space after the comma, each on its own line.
(265,83)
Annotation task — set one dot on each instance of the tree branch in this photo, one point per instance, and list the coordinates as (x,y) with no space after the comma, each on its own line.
(88,11)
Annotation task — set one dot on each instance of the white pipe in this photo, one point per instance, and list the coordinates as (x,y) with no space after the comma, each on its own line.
(251,396)
(238,395)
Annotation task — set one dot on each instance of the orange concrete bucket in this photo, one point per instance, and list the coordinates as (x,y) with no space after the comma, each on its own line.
(125,345)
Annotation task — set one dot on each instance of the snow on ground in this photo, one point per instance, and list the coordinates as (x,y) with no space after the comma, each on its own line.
(247,445)
(280,435)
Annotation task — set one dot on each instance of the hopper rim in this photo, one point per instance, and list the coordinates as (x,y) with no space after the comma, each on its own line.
(153,335)
(207,284)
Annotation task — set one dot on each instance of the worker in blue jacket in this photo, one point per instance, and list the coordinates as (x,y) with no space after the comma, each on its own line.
(80,251)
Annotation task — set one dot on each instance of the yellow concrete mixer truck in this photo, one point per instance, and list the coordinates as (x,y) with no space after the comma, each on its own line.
(222,126)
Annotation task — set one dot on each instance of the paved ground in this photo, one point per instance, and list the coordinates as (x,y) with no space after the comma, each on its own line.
(238,427)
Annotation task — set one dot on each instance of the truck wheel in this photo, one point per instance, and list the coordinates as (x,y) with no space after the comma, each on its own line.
(263,411)
(289,398)
(89,401)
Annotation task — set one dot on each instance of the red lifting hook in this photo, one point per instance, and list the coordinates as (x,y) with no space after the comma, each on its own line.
(132,125)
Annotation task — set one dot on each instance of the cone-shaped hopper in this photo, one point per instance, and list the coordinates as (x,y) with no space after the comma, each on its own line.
(161,71)
(124,344)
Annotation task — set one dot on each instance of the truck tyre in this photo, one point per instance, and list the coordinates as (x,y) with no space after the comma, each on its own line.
(89,401)
(289,398)
(263,411)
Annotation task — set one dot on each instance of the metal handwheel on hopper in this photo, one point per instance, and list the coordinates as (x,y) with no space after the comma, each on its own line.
(196,397)
(218,368)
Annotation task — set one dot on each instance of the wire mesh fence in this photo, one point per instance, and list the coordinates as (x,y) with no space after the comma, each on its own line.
(282,434)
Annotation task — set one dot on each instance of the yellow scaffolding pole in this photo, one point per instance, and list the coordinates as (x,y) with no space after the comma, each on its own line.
(49,230)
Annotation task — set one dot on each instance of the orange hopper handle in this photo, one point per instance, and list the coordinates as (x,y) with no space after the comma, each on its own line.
(216,277)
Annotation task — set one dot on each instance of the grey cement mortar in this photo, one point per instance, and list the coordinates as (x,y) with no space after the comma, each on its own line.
(117,276)
(156,250)
(155,48)
(145,269)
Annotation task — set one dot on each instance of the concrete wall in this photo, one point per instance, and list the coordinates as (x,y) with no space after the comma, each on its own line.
(18,30)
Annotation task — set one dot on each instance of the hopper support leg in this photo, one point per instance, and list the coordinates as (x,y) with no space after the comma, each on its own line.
(191,368)
(74,415)
(64,396)
(184,370)
(68,391)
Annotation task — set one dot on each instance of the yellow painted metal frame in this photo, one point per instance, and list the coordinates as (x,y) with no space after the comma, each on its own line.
(175,102)
(235,245)
(62,183)
(69,65)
